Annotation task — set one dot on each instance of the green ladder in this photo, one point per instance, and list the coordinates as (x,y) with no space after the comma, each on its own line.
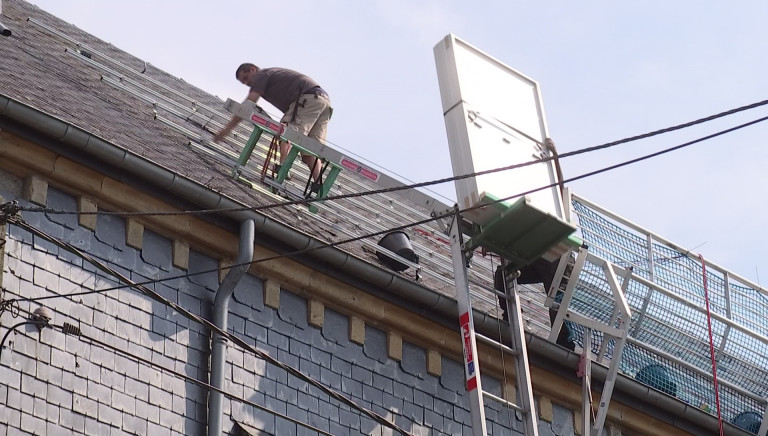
(275,130)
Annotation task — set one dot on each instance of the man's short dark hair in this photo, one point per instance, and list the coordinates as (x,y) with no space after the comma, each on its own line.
(244,67)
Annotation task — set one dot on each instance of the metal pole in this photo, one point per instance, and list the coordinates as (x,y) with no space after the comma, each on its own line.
(466,322)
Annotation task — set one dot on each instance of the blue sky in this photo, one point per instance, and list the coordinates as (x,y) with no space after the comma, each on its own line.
(607,70)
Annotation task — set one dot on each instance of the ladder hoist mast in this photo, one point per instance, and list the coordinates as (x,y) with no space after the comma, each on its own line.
(519,233)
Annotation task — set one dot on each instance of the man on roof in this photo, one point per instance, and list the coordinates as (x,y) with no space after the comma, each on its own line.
(305,105)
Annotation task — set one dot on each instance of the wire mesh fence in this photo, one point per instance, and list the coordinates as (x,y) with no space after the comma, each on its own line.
(669,344)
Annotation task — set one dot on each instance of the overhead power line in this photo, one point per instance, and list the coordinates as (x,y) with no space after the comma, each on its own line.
(199,319)
(432,182)
(73,330)
(405,226)
(151,293)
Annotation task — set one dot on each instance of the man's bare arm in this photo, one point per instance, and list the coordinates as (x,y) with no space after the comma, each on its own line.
(252,96)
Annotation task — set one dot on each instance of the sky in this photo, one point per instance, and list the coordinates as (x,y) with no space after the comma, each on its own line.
(607,70)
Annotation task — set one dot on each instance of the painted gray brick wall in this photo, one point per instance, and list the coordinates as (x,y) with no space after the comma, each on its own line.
(56,384)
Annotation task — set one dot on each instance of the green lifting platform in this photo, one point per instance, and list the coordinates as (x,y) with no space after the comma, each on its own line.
(520,232)
(277,184)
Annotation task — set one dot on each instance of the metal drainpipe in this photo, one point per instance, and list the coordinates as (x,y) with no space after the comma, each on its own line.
(220,319)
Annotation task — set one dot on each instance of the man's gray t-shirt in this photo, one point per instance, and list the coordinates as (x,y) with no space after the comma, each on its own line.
(280,86)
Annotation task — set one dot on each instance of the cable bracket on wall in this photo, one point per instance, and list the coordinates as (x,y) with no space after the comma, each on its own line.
(9,210)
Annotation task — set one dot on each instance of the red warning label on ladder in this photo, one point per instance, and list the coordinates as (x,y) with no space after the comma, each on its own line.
(359,169)
(469,358)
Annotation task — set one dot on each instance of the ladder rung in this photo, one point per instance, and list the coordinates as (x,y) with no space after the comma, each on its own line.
(487,340)
(505,402)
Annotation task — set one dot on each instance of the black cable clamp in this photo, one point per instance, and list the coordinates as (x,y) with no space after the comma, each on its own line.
(12,306)
(71,329)
(9,210)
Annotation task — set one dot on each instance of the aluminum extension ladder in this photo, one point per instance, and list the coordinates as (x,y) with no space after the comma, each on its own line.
(517,350)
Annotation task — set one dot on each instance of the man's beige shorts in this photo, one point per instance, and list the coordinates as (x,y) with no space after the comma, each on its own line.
(311,117)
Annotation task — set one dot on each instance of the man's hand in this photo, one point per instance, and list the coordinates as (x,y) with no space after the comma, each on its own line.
(228,128)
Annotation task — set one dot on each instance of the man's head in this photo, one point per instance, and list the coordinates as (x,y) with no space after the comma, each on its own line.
(244,72)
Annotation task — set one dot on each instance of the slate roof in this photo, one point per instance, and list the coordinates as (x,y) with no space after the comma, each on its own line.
(44,67)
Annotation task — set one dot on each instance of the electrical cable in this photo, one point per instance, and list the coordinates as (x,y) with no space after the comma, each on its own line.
(433,182)
(424,221)
(186,275)
(615,143)
(72,330)
(12,306)
(199,319)
(224,118)
(295,372)
(332,393)
(711,344)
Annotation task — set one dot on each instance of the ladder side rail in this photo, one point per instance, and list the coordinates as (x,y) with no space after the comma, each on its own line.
(586,384)
(728,313)
(618,294)
(614,319)
(559,275)
(603,351)
(466,322)
(624,311)
(522,366)
(567,295)
(610,381)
